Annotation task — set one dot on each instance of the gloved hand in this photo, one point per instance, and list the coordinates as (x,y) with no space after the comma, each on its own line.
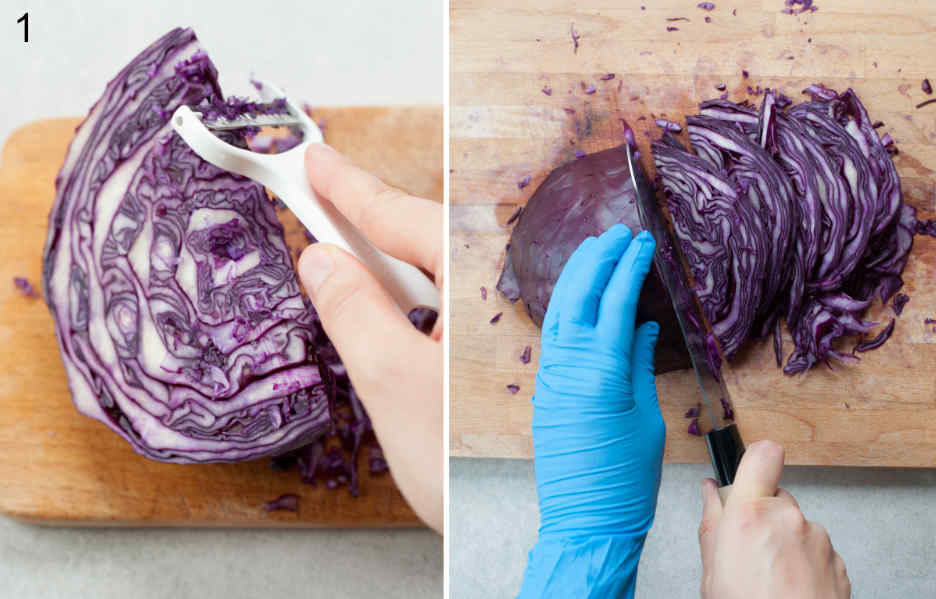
(597,430)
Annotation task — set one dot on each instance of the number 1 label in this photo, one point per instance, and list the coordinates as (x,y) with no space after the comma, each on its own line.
(25,21)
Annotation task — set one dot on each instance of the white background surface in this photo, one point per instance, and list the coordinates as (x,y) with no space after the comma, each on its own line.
(343,52)
(326,53)
(880,521)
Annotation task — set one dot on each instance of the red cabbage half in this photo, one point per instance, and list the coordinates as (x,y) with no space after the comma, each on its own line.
(180,320)
(791,212)
(583,198)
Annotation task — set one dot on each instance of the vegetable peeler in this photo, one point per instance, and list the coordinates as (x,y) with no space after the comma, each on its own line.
(724,443)
(284,174)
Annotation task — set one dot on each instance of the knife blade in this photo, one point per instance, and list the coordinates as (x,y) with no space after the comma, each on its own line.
(724,443)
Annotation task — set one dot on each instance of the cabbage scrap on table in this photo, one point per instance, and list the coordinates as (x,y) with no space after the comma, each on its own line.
(181,322)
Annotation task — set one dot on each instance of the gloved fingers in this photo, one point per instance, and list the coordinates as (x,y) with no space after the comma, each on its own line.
(645,394)
(617,311)
(758,473)
(588,280)
(711,514)
(557,302)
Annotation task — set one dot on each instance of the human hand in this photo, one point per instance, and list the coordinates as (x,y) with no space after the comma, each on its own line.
(395,369)
(597,430)
(759,545)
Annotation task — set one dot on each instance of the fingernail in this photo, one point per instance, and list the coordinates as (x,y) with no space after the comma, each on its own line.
(315,264)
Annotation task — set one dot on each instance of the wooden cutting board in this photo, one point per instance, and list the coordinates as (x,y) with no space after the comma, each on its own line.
(503,128)
(59,467)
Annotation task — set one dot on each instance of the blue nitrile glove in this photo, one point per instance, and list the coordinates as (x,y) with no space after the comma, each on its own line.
(597,430)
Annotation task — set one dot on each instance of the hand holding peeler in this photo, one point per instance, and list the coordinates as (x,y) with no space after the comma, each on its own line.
(284,174)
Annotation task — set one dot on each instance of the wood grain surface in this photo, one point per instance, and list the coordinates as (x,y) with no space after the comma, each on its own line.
(504,127)
(59,467)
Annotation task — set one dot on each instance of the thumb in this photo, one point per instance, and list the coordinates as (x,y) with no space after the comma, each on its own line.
(645,393)
(711,514)
(758,473)
(357,314)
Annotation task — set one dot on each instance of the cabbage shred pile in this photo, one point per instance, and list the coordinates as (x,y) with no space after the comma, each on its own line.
(180,320)
(790,212)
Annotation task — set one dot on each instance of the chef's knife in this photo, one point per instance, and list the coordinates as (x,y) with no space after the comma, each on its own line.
(723,441)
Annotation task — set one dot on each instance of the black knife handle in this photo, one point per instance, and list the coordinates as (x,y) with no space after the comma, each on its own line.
(725,449)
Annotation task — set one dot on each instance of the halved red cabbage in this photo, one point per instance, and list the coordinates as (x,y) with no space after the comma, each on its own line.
(180,320)
(580,199)
(795,213)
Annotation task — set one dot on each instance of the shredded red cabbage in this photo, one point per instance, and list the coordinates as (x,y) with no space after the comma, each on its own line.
(524,182)
(607,77)
(496,317)
(629,133)
(900,300)
(804,5)
(513,388)
(693,412)
(668,125)
(514,216)
(526,355)
(26,288)
(288,502)
(694,428)
(925,227)
(792,213)
(879,340)
(483,293)
(575,38)
(377,463)
(671,28)
(926,87)
(706,6)
(547,91)
(926,103)
(727,410)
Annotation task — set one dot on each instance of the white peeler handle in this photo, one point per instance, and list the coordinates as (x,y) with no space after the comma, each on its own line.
(285,175)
